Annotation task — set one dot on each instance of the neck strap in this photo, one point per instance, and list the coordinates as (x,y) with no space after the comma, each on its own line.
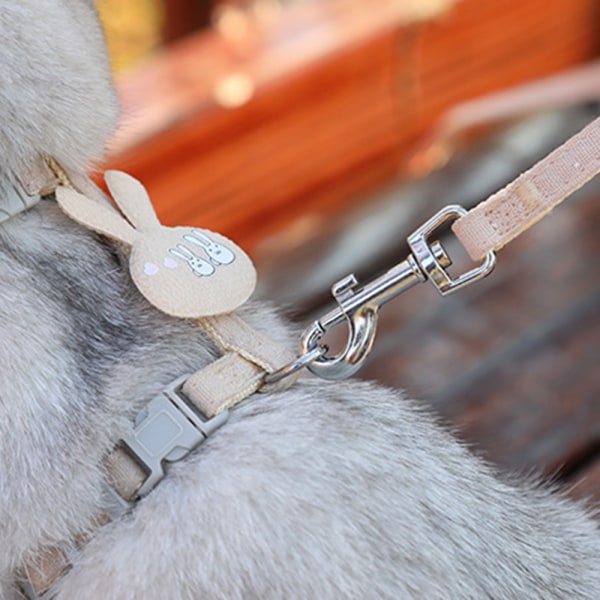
(18,194)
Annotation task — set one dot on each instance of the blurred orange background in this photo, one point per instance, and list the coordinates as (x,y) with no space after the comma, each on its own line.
(249,117)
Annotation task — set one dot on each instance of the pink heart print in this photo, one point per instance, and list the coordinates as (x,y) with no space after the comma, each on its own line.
(151,269)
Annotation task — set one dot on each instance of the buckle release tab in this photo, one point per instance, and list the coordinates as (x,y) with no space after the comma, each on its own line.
(167,430)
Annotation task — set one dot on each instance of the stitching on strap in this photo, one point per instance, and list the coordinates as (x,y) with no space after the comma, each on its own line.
(515,208)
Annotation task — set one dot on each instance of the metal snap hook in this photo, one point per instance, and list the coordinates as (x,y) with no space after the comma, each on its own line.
(362,325)
(358,307)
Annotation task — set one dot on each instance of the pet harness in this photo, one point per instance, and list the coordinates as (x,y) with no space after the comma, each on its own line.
(217,277)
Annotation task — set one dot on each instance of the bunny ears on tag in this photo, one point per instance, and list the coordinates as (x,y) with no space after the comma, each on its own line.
(183,271)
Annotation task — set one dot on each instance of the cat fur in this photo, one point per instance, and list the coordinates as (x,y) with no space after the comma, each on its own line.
(327,490)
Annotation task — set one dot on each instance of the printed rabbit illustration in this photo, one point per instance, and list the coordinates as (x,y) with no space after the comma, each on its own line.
(199,267)
(324,491)
(217,253)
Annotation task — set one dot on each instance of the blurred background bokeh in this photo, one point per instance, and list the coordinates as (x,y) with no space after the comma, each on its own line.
(320,133)
(253,115)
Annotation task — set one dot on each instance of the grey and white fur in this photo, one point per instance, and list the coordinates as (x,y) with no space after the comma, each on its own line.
(325,491)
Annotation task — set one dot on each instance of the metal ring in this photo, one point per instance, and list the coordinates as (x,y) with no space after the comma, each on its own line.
(297,364)
(431,265)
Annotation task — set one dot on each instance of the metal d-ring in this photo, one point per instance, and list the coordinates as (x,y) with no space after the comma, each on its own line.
(301,362)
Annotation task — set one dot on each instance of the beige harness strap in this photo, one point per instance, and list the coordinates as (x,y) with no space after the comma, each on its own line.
(232,334)
(248,356)
(50,564)
(39,179)
(223,383)
(124,473)
(507,213)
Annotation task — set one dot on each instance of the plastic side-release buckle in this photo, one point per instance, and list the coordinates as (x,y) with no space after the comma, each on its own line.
(167,430)
(14,200)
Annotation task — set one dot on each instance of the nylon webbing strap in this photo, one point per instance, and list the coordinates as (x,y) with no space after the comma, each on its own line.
(124,473)
(40,574)
(232,334)
(22,193)
(247,356)
(507,213)
(240,344)
(223,383)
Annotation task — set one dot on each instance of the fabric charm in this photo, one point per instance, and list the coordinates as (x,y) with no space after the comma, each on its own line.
(184,271)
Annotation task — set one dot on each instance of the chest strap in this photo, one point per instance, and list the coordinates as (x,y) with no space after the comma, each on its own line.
(194,406)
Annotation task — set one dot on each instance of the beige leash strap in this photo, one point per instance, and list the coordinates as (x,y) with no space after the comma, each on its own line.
(507,213)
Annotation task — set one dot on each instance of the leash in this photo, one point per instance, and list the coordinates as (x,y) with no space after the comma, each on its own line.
(219,278)
(482,231)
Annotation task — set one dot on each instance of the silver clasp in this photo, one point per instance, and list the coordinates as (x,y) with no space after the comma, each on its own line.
(431,264)
(359,307)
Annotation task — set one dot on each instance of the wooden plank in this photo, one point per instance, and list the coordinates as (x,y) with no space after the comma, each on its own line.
(533,405)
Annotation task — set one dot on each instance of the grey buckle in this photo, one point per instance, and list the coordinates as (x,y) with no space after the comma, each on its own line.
(14,200)
(167,430)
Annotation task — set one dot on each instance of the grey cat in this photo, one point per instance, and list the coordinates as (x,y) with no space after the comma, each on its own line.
(322,491)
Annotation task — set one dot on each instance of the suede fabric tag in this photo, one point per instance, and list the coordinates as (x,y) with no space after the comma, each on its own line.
(183,271)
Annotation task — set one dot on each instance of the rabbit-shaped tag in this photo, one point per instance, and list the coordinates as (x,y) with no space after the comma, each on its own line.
(183,271)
